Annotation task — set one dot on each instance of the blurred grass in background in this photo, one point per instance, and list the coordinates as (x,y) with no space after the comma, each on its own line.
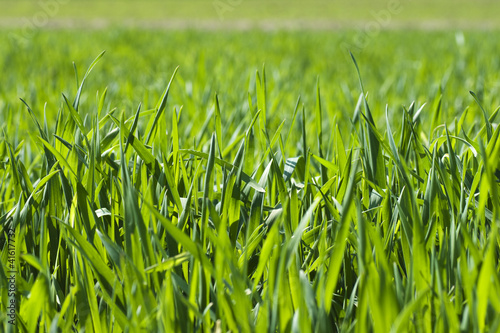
(139,62)
(424,13)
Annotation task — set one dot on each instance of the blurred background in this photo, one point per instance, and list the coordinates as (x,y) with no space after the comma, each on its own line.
(408,51)
(320,14)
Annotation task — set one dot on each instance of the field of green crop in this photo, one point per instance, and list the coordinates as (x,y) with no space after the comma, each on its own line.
(251,181)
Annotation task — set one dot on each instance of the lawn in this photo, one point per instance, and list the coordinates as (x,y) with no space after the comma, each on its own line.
(251,180)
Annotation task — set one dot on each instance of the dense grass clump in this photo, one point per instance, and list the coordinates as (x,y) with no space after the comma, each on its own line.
(123,224)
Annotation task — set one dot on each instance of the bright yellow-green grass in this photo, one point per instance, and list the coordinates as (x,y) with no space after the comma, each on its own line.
(423,13)
(178,184)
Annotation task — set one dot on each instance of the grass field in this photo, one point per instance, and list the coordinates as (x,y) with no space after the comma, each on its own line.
(253,181)
(315,13)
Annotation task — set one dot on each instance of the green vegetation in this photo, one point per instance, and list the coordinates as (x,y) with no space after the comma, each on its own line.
(345,12)
(213,198)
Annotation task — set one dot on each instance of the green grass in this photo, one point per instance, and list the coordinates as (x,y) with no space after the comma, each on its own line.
(212,198)
(343,11)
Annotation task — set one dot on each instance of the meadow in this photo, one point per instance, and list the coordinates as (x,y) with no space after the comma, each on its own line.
(250,181)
